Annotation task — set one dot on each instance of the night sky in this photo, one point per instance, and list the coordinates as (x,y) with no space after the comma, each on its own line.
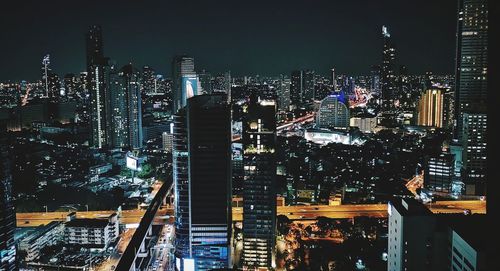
(246,37)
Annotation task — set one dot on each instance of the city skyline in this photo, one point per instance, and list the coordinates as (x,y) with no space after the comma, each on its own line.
(245,40)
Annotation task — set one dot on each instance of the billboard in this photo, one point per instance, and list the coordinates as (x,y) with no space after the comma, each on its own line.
(188,264)
(237,149)
(189,88)
(132,163)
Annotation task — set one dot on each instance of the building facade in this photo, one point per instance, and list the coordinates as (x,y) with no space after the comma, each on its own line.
(333,113)
(204,213)
(259,192)
(431,109)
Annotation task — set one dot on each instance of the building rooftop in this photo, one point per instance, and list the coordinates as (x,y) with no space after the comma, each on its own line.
(87,223)
(410,207)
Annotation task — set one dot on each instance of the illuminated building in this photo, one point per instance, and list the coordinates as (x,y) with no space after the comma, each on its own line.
(430,108)
(283,92)
(167,140)
(309,82)
(203,183)
(7,212)
(471,60)
(296,88)
(366,123)
(474,152)
(439,172)
(333,112)
(471,90)
(184,81)
(148,80)
(387,76)
(259,192)
(97,77)
(125,107)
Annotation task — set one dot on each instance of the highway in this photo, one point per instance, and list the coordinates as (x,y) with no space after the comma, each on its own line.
(293,212)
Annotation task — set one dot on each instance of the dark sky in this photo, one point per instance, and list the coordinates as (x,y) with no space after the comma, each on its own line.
(246,37)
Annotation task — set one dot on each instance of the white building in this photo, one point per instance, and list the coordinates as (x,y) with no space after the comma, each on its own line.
(411,229)
(365,124)
(91,232)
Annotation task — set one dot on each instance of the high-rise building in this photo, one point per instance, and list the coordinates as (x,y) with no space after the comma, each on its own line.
(471,59)
(184,81)
(334,80)
(148,80)
(97,82)
(308,84)
(7,212)
(296,88)
(94,46)
(387,76)
(167,141)
(431,108)
(125,108)
(375,87)
(259,192)
(205,82)
(471,90)
(283,93)
(333,112)
(439,172)
(203,214)
(474,152)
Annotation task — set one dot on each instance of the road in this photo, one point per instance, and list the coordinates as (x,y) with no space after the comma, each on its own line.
(306,118)
(292,212)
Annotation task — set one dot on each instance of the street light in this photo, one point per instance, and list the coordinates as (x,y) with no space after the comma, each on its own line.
(46,211)
(86,205)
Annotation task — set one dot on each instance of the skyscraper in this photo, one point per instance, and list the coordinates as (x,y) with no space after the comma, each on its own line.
(7,212)
(431,108)
(125,108)
(259,192)
(148,80)
(296,88)
(471,87)
(94,46)
(97,78)
(184,81)
(308,86)
(333,112)
(203,182)
(387,76)
(283,93)
(472,58)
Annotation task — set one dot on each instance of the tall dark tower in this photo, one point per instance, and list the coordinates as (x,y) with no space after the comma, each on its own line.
(125,108)
(471,90)
(97,82)
(202,176)
(259,192)
(94,45)
(387,75)
(7,213)
(296,88)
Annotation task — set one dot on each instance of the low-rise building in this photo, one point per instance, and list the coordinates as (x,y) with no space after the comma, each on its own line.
(41,237)
(98,233)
